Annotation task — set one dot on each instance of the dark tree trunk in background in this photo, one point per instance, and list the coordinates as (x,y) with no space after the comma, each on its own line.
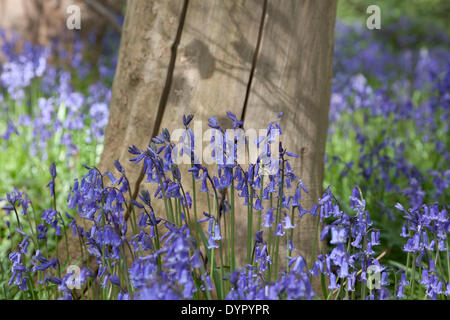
(42,21)
(255,58)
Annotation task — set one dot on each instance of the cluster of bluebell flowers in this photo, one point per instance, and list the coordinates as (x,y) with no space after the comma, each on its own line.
(129,251)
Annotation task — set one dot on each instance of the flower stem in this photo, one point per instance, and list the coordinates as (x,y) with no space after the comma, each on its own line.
(278,219)
(249,225)
(233,255)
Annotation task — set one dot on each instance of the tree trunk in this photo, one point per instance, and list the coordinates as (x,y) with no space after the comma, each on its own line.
(293,74)
(255,58)
(42,21)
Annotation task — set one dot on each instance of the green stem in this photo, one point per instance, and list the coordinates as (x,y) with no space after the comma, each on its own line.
(278,219)
(413,275)
(316,236)
(448,263)
(65,237)
(194,196)
(17,218)
(249,225)
(232,227)
(291,236)
(261,193)
(157,248)
(270,244)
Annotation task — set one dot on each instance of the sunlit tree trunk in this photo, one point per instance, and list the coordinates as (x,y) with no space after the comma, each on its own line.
(256,58)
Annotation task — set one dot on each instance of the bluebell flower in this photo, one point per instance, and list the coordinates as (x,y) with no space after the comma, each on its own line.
(212,243)
(236,122)
(187,119)
(258,237)
(298,265)
(214,123)
(333,285)
(287,224)
(279,232)
(269,218)
(338,235)
(258,205)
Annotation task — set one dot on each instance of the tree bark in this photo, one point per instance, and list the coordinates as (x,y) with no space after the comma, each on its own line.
(255,58)
(293,74)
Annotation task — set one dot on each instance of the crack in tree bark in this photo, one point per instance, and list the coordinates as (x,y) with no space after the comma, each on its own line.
(255,59)
(249,83)
(166,90)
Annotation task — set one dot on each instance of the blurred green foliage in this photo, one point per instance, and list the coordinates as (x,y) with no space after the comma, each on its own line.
(422,12)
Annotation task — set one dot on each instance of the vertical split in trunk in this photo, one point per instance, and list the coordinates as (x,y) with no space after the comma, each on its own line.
(166,89)
(255,59)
